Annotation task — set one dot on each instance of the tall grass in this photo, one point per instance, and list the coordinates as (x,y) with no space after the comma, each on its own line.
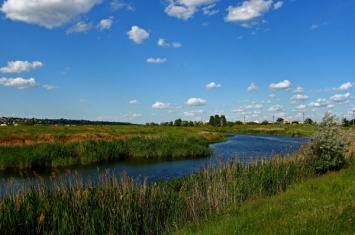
(40,156)
(122,205)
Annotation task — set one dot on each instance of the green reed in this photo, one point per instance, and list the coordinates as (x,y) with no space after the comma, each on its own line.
(40,156)
(123,205)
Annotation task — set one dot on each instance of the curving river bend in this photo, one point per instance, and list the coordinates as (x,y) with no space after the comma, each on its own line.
(246,147)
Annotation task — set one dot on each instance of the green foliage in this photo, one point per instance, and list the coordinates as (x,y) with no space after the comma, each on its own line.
(308,121)
(327,146)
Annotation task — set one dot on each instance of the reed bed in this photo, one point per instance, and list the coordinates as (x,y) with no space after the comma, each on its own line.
(49,155)
(123,205)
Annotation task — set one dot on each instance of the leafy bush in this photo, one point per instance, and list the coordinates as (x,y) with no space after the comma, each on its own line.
(327,146)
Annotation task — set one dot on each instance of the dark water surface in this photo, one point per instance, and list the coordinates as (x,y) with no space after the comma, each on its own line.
(246,147)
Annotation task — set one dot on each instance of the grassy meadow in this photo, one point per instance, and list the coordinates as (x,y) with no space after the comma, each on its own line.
(276,196)
(43,147)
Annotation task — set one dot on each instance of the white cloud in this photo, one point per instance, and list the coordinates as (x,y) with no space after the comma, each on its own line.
(83,100)
(161,42)
(213,85)
(319,103)
(286,84)
(340,98)
(157,60)
(208,10)
(20,66)
(185,9)
(314,26)
(299,97)
(258,106)
(105,23)
(46,13)
(20,83)
(180,12)
(298,90)
(49,87)
(176,44)
(273,96)
(192,113)
(276,108)
(301,107)
(345,86)
(118,4)
(134,102)
(80,27)
(278,5)
(196,102)
(248,11)
(138,35)
(252,87)
(160,105)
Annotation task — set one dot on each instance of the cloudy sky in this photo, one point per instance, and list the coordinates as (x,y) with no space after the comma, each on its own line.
(154,61)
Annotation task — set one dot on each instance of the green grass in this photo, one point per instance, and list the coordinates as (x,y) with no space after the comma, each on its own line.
(323,205)
(49,155)
(121,205)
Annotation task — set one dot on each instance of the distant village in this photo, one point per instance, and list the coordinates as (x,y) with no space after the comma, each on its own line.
(14,121)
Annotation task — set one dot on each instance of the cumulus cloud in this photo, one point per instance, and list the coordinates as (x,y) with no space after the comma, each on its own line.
(134,102)
(299,97)
(161,42)
(252,87)
(49,87)
(248,11)
(185,9)
(298,90)
(345,86)
(339,98)
(20,66)
(46,13)
(286,84)
(160,105)
(276,108)
(319,103)
(20,83)
(138,35)
(278,5)
(196,102)
(213,85)
(105,23)
(157,60)
(80,27)
(301,107)
(83,100)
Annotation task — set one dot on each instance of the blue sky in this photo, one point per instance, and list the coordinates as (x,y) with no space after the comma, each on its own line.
(154,61)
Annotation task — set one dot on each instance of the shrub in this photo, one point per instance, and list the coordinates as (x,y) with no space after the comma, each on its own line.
(326,151)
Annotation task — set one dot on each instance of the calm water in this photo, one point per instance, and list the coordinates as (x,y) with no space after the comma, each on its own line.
(246,147)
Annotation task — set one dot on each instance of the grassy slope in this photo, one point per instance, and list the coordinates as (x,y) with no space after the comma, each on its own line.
(323,205)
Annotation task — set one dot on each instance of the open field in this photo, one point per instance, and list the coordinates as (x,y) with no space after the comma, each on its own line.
(26,135)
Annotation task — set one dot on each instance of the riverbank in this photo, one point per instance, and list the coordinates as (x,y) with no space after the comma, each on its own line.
(321,205)
(43,156)
(122,205)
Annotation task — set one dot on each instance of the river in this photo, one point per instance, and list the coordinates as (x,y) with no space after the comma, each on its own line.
(246,147)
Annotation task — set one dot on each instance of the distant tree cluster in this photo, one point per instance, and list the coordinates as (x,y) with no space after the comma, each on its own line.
(36,121)
(217,120)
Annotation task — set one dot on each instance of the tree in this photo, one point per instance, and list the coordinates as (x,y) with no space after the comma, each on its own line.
(178,122)
(212,121)
(308,121)
(223,120)
(280,120)
(326,151)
